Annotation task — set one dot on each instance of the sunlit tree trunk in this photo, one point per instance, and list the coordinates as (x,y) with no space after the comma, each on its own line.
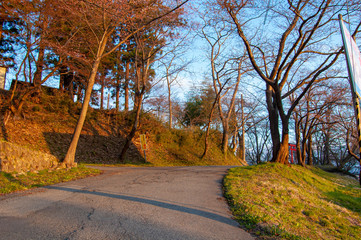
(282,155)
(69,160)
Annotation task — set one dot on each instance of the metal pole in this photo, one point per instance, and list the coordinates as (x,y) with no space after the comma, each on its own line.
(355,96)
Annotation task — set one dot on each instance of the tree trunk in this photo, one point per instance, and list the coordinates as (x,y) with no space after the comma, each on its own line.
(126,87)
(300,158)
(130,136)
(235,143)
(206,146)
(283,153)
(136,101)
(62,72)
(102,96)
(117,94)
(69,159)
(170,105)
(309,148)
(241,150)
(80,93)
(327,148)
(299,155)
(108,101)
(243,145)
(39,67)
(274,122)
(304,151)
(225,137)
(225,121)
(1,30)
(66,81)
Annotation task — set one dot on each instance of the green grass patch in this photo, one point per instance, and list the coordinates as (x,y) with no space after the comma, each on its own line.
(293,202)
(11,183)
(184,147)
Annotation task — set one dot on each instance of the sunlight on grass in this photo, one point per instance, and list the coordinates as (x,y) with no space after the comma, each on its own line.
(184,148)
(11,183)
(294,202)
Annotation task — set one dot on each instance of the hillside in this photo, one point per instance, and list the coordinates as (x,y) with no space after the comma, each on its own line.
(293,202)
(47,124)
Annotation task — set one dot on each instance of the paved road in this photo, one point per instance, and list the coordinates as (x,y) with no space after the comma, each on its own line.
(124,203)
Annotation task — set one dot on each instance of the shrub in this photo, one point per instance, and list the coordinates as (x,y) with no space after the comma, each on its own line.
(36,108)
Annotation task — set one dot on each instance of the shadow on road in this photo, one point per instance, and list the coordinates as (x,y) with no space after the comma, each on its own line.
(165,205)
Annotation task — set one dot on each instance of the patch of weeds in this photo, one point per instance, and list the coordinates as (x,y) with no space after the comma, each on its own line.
(36,109)
(280,233)
(248,221)
(345,199)
(324,222)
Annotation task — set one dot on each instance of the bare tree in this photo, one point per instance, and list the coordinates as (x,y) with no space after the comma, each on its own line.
(300,29)
(148,43)
(258,138)
(33,35)
(174,64)
(102,19)
(226,72)
(314,110)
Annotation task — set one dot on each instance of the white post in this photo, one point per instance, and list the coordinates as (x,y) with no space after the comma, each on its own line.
(2,77)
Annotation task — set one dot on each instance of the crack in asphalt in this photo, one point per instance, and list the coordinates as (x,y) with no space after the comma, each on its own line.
(90,213)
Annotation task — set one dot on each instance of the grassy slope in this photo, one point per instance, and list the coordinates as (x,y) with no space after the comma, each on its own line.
(49,122)
(295,202)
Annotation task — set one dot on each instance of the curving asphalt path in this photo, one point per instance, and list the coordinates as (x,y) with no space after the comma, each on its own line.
(125,203)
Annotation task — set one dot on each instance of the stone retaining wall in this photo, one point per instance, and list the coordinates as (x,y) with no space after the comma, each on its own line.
(14,158)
